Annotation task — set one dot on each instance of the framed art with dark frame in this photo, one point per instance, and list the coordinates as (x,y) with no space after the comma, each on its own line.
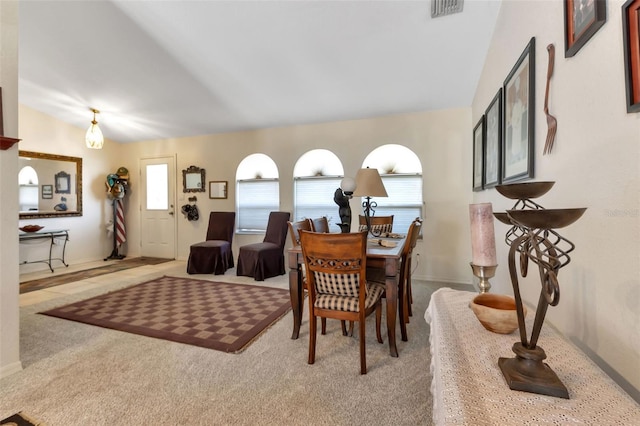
(218,189)
(518,92)
(631,40)
(478,159)
(493,141)
(63,183)
(47,192)
(582,19)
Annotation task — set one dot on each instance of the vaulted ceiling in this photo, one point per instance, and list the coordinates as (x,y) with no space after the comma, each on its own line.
(168,69)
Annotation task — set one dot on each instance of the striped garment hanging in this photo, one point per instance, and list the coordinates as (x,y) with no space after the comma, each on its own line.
(121,233)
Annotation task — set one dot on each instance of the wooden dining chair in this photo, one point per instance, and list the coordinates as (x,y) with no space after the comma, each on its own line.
(404,280)
(295,227)
(320,224)
(215,254)
(337,284)
(379,224)
(294,232)
(405,294)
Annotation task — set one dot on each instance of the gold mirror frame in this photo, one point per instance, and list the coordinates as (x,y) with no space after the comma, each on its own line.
(193,179)
(78,185)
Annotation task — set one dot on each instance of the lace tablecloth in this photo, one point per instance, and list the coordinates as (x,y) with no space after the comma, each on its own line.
(468,387)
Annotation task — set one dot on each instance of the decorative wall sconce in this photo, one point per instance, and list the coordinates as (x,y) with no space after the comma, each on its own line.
(94,138)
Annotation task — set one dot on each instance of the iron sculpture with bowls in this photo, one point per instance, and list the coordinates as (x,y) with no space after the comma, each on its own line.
(533,237)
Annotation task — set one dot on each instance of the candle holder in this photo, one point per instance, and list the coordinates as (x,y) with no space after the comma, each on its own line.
(483,273)
(542,245)
(523,193)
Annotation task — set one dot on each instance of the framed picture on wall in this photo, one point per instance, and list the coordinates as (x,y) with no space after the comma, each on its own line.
(631,40)
(47,192)
(478,151)
(218,189)
(493,141)
(63,183)
(518,92)
(582,19)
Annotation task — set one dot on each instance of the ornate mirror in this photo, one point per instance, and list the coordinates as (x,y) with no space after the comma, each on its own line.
(193,179)
(50,185)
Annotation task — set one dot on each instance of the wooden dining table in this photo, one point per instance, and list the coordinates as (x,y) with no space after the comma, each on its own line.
(383,258)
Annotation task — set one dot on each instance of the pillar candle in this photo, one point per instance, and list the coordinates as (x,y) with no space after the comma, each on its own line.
(483,240)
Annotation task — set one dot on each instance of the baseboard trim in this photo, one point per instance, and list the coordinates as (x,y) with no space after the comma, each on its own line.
(10,369)
(440,280)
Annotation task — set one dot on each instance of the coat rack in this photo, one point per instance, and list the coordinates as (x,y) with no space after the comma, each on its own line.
(117,185)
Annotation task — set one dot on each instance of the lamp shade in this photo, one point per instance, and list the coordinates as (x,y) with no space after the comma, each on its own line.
(94,138)
(369,184)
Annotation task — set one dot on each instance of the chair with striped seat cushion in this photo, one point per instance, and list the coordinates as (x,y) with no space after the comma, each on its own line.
(337,284)
(379,224)
(294,232)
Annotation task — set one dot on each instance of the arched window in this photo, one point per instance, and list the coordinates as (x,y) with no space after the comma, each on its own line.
(401,173)
(257,193)
(316,176)
(28,189)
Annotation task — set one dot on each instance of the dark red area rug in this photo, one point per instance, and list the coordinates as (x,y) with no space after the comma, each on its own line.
(221,316)
(19,419)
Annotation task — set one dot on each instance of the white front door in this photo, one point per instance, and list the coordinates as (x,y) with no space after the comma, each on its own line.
(157,210)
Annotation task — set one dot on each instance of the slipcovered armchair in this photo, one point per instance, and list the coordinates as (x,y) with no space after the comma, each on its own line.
(266,259)
(215,254)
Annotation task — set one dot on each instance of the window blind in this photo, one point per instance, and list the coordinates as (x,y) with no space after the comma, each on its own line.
(313,198)
(256,199)
(404,201)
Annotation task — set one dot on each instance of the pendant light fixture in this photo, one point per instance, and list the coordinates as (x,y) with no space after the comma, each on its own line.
(94,138)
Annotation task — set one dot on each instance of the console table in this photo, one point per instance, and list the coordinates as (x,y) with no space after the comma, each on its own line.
(51,236)
(468,387)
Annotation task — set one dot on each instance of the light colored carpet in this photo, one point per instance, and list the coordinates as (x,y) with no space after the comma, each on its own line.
(77,374)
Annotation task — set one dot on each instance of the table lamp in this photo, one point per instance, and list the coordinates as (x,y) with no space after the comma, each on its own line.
(369,184)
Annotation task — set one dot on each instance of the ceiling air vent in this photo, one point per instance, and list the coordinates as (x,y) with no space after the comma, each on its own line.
(445,7)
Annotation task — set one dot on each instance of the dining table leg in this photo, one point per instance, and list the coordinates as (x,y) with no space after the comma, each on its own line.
(391,283)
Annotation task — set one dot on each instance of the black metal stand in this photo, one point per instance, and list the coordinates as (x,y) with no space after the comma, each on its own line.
(114,254)
(369,207)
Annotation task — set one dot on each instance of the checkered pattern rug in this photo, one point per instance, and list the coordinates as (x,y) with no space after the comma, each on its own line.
(214,315)
(19,419)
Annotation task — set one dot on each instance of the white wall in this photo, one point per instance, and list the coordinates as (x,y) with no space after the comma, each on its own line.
(88,238)
(595,164)
(9,311)
(439,139)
